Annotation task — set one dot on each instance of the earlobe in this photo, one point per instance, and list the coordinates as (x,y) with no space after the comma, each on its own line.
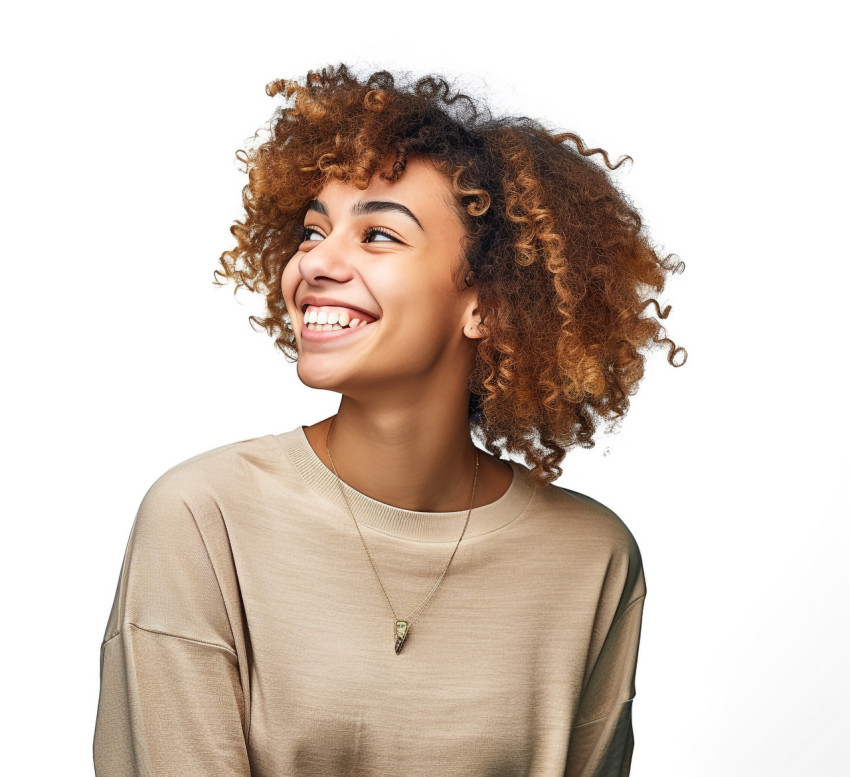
(472,327)
(472,318)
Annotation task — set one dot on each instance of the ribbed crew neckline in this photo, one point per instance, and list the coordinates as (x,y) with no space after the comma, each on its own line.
(396,521)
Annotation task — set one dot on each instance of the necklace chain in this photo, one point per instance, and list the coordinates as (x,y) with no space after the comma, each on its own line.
(402,627)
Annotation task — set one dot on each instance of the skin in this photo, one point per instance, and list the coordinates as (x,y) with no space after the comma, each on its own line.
(401,433)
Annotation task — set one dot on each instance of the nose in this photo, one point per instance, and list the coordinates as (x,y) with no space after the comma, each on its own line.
(325,260)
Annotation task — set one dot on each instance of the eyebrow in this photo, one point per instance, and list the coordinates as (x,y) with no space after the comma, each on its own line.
(369,207)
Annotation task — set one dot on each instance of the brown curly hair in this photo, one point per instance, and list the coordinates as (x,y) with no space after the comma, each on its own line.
(565,269)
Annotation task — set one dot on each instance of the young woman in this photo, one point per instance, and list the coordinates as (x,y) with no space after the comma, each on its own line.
(374,594)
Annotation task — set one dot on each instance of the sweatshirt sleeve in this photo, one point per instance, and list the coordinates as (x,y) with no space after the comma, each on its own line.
(172,670)
(601,739)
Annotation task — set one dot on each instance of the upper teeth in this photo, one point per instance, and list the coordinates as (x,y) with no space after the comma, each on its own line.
(325,319)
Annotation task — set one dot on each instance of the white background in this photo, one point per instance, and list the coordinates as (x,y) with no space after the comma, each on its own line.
(122,359)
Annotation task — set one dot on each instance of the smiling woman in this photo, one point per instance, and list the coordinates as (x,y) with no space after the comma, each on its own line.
(375,593)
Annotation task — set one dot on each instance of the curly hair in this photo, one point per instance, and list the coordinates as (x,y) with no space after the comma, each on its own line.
(565,269)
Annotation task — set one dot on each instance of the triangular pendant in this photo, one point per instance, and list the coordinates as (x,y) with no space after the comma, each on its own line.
(401,628)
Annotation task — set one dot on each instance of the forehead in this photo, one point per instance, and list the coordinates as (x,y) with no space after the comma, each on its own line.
(421,188)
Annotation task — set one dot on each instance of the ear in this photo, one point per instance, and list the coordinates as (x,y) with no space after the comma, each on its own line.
(472,318)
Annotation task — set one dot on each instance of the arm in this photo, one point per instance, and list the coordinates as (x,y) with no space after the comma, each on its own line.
(601,740)
(171,698)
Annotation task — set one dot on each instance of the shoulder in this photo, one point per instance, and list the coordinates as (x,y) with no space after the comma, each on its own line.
(181,530)
(216,469)
(582,518)
(205,485)
(592,537)
(178,569)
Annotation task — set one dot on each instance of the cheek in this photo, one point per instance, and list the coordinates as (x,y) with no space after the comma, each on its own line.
(426,329)
(289,281)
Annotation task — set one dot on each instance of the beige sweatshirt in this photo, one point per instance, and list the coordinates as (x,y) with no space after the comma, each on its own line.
(249,635)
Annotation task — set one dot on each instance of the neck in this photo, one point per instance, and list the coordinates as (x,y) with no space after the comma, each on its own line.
(420,460)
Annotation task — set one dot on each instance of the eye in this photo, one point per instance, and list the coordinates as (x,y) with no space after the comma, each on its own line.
(379,235)
(309,234)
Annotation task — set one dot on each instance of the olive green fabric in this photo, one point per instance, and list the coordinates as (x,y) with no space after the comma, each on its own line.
(249,635)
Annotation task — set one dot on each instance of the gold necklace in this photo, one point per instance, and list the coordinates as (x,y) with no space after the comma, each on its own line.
(401,628)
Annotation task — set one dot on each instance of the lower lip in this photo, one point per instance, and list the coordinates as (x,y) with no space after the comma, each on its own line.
(331,334)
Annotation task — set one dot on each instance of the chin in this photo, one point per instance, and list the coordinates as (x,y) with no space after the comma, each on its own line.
(318,378)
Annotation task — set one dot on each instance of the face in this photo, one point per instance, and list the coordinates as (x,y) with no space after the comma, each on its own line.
(377,270)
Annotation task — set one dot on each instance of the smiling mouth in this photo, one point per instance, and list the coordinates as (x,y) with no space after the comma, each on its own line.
(323,322)
(331,326)
(326,318)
